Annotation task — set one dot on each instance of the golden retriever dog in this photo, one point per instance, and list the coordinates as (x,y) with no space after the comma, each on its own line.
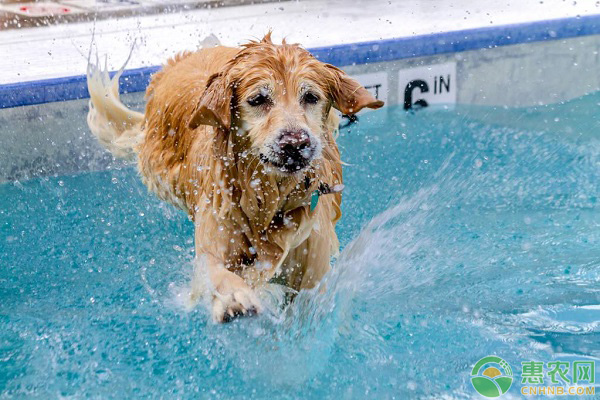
(243,140)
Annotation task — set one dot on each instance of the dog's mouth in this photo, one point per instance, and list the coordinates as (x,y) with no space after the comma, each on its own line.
(287,165)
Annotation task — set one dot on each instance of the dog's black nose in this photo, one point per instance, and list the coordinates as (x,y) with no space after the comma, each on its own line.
(294,149)
(293,142)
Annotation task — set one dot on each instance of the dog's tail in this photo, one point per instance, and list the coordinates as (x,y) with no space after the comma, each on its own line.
(117,128)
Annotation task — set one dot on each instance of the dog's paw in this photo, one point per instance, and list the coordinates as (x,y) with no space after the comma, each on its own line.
(241,301)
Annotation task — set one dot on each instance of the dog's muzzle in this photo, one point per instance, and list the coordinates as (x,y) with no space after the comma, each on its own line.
(292,151)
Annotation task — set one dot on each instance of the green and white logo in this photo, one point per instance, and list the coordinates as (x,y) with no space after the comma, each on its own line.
(491,376)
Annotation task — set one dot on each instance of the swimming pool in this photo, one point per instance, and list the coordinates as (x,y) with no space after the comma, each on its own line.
(465,232)
(470,220)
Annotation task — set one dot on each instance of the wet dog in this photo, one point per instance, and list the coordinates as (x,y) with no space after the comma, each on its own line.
(243,140)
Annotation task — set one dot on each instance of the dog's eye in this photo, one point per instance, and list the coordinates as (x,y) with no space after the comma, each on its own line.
(310,98)
(258,100)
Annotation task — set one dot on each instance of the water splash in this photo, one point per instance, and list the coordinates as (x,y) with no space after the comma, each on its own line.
(463,236)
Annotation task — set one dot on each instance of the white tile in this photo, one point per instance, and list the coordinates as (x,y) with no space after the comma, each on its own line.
(59,50)
(104,5)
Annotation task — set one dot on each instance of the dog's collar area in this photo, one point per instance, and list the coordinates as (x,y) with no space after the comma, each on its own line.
(322,190)
(351,120)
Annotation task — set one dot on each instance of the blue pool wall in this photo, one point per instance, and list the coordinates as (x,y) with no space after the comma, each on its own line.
(43,123)
(136,80)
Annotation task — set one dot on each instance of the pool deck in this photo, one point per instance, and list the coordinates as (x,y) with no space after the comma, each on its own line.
(60,50)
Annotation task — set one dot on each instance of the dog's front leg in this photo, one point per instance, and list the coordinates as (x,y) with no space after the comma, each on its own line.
(231,296)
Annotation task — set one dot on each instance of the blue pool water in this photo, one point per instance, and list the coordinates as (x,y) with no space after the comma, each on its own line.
(466,232)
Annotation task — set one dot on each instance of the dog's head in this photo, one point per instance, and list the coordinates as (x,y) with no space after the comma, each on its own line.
(275,101)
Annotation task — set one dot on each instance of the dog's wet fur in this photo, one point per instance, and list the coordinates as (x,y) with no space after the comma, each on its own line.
(240,138)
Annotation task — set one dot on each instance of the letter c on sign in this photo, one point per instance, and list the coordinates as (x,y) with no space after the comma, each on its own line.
(408,93)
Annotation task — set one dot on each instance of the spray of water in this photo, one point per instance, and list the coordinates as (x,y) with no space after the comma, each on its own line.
(462,237)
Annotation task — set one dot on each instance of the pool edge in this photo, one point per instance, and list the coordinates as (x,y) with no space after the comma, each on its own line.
(135,80)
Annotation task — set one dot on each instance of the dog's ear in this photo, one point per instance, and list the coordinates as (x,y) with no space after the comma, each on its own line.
(214,107)
(348,95)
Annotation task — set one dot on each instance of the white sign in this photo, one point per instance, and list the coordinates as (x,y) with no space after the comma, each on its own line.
(376,83)
(427,85)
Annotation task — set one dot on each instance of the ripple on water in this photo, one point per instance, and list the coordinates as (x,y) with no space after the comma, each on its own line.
(489,247)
